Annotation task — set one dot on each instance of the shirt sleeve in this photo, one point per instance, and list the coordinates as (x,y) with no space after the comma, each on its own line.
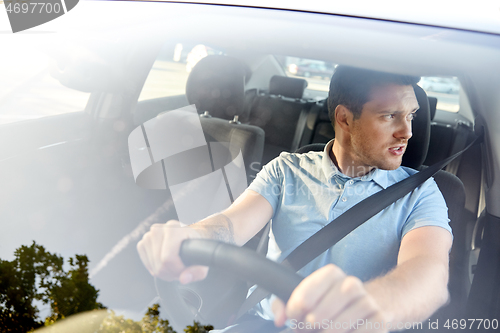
(268,183)
(429,210)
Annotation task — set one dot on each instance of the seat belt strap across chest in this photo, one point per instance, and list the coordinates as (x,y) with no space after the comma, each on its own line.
(355,216)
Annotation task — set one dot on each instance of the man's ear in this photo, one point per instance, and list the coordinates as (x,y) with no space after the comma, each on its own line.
(343,118)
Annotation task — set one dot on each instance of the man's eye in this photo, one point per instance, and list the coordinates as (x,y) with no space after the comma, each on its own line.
(390,116)
(412,116)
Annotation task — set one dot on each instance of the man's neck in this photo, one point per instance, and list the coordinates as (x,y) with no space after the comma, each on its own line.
(346,163)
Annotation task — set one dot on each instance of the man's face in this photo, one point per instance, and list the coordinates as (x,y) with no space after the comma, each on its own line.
(380,135)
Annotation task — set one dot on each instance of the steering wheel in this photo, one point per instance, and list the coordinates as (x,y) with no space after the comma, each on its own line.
(241,262)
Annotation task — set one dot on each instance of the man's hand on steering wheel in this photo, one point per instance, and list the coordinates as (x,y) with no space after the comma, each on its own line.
(159,252)
(159,248)
(329,297)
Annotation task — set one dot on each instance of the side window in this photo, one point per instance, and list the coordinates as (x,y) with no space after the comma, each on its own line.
(27,90)
(170,71)
(445,89)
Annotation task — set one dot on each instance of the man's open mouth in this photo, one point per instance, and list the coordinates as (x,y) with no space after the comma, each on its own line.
(399,150)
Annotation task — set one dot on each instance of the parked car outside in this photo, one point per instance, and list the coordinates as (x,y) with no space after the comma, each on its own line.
(310,69)
(448,85)
(197,53)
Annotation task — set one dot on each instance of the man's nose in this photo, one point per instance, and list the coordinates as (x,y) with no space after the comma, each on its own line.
(404,130)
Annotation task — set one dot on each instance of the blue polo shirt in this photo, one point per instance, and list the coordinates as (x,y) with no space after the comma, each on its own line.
(307,191)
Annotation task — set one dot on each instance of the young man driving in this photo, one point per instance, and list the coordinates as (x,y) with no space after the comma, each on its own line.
(391,269)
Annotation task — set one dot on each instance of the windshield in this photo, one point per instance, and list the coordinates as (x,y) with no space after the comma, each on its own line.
(27,90)
(72,100)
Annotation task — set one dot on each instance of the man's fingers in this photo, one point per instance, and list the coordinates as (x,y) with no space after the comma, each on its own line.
(141,249)
(338,299)
(328,294)
(363,316)
(193,274)
(155,238)
(352,308)
(312,290)
(147,248)
(279,309)
(159,251)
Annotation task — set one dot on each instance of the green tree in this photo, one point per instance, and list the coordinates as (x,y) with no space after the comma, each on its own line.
(118,324)
(198,328)
(36,274)
(150,323)
(74,293)
(30,276)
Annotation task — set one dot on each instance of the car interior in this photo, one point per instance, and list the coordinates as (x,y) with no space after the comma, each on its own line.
(296,124)
(67,179)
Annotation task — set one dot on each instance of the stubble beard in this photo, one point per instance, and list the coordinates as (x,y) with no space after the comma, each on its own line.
(369,158)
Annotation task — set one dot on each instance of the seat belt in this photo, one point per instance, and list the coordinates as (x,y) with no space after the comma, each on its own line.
(462,132)
(355,216)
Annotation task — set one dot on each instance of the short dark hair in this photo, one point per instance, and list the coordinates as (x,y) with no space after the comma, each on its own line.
(351,87)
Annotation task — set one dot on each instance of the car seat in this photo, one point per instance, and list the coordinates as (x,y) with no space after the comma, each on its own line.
(282,113)
(216,86)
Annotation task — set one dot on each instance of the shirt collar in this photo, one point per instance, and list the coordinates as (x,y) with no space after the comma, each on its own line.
(331,171)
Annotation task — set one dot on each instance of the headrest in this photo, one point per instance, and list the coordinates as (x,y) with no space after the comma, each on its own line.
(432,105)
(287,86)
(421,128)
(217,84)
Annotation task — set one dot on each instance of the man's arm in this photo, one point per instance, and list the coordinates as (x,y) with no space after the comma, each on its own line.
(417,287)
(238,223)
(411,292)
(159,248)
